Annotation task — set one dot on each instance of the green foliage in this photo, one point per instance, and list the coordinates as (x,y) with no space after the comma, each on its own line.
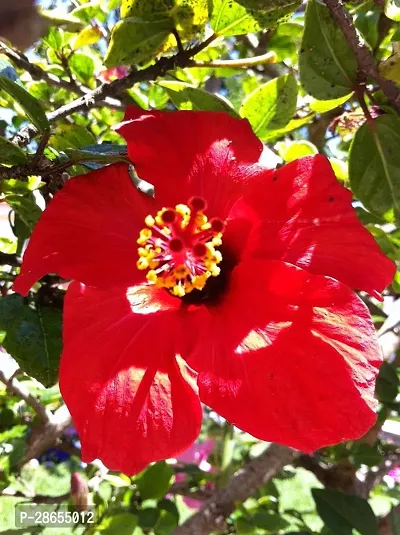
(155,481)
(33,337)
(237,18)
(343,512)
(186,97)
(11,154)
(327,65)
(373,165)
(31,106)
(271,106)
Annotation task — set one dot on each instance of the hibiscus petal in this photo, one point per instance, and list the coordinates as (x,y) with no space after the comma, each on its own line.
(302,215)
(207,154)
(288,356)
(90,227)
(131,400)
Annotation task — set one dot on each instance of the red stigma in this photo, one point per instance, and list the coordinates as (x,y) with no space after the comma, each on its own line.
(197,204)
(200,250)
(168,216)
(217,225)
(176,245)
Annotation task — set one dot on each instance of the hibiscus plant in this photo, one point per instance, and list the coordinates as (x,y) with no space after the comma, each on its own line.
(199,295)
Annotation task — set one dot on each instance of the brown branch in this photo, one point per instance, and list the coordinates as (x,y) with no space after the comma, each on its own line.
(21,392)
(366,62)
(46,435)
(241,486)
(115,88)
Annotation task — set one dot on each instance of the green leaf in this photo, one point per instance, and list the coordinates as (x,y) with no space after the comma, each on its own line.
(89,11)
(343,512)
(34,340)
(236,18)
(187,16)
(374,162)
(20,197)
(134,40)
(321,106)
(294,124)
(327,64)
(122,523)
(387,384)
(186,97)
(148,517)
(104,152)
(269,521)
(11,154)
(166,523)
(54,39)
(60,18)
(154,482)
(392,9)
(272,105)
(71,136)
(30,105)
(9,306)
(83,67)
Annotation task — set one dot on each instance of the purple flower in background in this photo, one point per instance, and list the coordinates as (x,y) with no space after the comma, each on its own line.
(395,474)
(198,454)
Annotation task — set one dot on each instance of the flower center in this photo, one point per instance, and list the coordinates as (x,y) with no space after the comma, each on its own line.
(178,247)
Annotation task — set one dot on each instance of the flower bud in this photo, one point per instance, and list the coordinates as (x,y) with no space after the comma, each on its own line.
(79,492)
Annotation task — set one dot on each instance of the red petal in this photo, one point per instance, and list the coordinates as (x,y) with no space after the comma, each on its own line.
(132,402)
(302,215)
(207,154)
(88,231)
(288,356)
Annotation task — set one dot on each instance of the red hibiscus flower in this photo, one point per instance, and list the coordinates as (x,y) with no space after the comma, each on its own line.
(231,287)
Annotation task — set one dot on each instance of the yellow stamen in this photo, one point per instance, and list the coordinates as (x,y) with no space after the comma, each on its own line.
(181,267)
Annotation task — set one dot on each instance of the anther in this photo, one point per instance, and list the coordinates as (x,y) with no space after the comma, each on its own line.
(178,247)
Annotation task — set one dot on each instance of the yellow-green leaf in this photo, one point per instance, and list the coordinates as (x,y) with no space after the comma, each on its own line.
(272,105)
(236,18)
(134,40)
(321,106)
(88,36)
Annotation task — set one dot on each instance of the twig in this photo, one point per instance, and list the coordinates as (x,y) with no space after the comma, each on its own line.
(269,57)
(41,147)
(37,72)
(241,486)
(21,392)
(365,60)
(112,89)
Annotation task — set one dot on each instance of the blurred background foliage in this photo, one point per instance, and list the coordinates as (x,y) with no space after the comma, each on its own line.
(288,68)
